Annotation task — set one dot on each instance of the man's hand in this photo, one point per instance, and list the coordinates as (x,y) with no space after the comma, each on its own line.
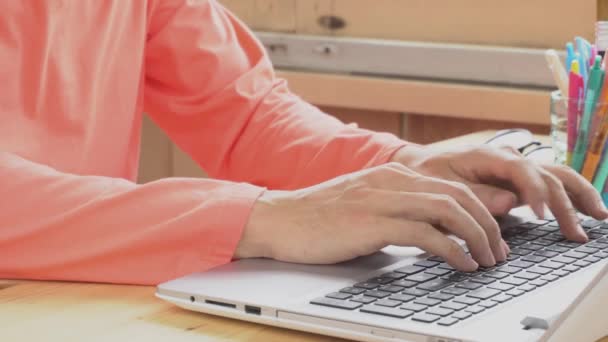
(360,213)
(502,179)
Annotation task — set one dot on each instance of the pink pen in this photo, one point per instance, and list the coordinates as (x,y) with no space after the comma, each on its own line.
(575,94)
(593,54)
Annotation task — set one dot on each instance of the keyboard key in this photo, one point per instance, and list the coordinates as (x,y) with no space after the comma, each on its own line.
(539,222)
(474,309)
(597,245)
(427,301)
(538,282)
(534,258)
(571,268)
(532,246)
(339,295)
(416,292)
(521,251)
(483,280)
(575,255)
(388,302)
(586,250)
(527,287)
(436,258)
(488,304)
(515,292)
(543,242)
(367,286)
(468,285)
(560,273)
(438,271)
(458,276)
(521,264)
(549,277)
(591,223)
(352,290)
(377,294)
(466,300)
(582,263)
(569,244)
(501,298)
(441,296)
(539,270)
(435,285)
(601,255)
(402,297)
(413,307)
(336,303)
(421,277)
(426,263)
(514,281)
(453,306)
(501,287)
(592,259)
(404,283)
(483,293)
(440,311)
(558,249)
(509,269)
(391,288)
(527,275)
(425,318)
(551,265)
(384,311)
(563,260)
(454,291)
(546,254)
(446,266)
(364,299)
(447,321)
(393,275)
(496,274)
(595,235)
(462,315)
(409,270)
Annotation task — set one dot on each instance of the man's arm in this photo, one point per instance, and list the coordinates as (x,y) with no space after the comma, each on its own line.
(210,85)
(59,226)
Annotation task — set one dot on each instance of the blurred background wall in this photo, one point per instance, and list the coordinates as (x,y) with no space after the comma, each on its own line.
(457,64)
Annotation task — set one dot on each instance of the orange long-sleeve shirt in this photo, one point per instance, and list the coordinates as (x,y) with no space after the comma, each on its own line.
(76,77)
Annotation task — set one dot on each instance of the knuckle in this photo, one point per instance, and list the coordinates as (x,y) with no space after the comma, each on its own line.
(453,249)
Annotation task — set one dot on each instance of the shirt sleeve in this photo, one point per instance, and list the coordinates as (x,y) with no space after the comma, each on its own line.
(59,226)
(212,88)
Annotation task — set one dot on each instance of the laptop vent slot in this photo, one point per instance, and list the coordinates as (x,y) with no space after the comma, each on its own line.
(215,302)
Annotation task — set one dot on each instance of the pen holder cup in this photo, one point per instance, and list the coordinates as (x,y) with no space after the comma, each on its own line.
(563,139)
(571,120)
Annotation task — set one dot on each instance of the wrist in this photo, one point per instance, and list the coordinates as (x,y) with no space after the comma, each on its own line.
(257,238)
(409,155)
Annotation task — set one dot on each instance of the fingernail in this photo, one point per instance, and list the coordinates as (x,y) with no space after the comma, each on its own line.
(539,210)
(582,233)
(471,264)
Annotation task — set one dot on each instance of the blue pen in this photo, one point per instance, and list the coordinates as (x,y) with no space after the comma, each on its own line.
(569,55)
(583,69)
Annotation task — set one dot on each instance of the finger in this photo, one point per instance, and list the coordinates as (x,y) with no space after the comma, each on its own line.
(469,201)
(429,239)
(562,209)
(436,210)
(498,201)
(583,194)
(497,164)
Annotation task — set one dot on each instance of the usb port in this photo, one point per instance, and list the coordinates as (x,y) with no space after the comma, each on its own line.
(253,310)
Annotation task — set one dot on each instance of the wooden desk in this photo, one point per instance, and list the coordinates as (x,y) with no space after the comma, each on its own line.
(56,311)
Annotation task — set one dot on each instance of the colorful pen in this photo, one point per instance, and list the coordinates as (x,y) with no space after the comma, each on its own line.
(599,183)
(593,54)
(575,94)
(583,67)
(593,88)
(569,55)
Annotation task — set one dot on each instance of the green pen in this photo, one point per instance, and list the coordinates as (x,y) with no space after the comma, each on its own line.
(596,78)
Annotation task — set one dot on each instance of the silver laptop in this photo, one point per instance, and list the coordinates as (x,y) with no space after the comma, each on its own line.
(550,289)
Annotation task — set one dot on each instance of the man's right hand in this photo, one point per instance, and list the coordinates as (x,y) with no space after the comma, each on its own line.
(360,213)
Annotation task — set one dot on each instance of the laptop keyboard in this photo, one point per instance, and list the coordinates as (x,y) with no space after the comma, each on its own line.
(432,292)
